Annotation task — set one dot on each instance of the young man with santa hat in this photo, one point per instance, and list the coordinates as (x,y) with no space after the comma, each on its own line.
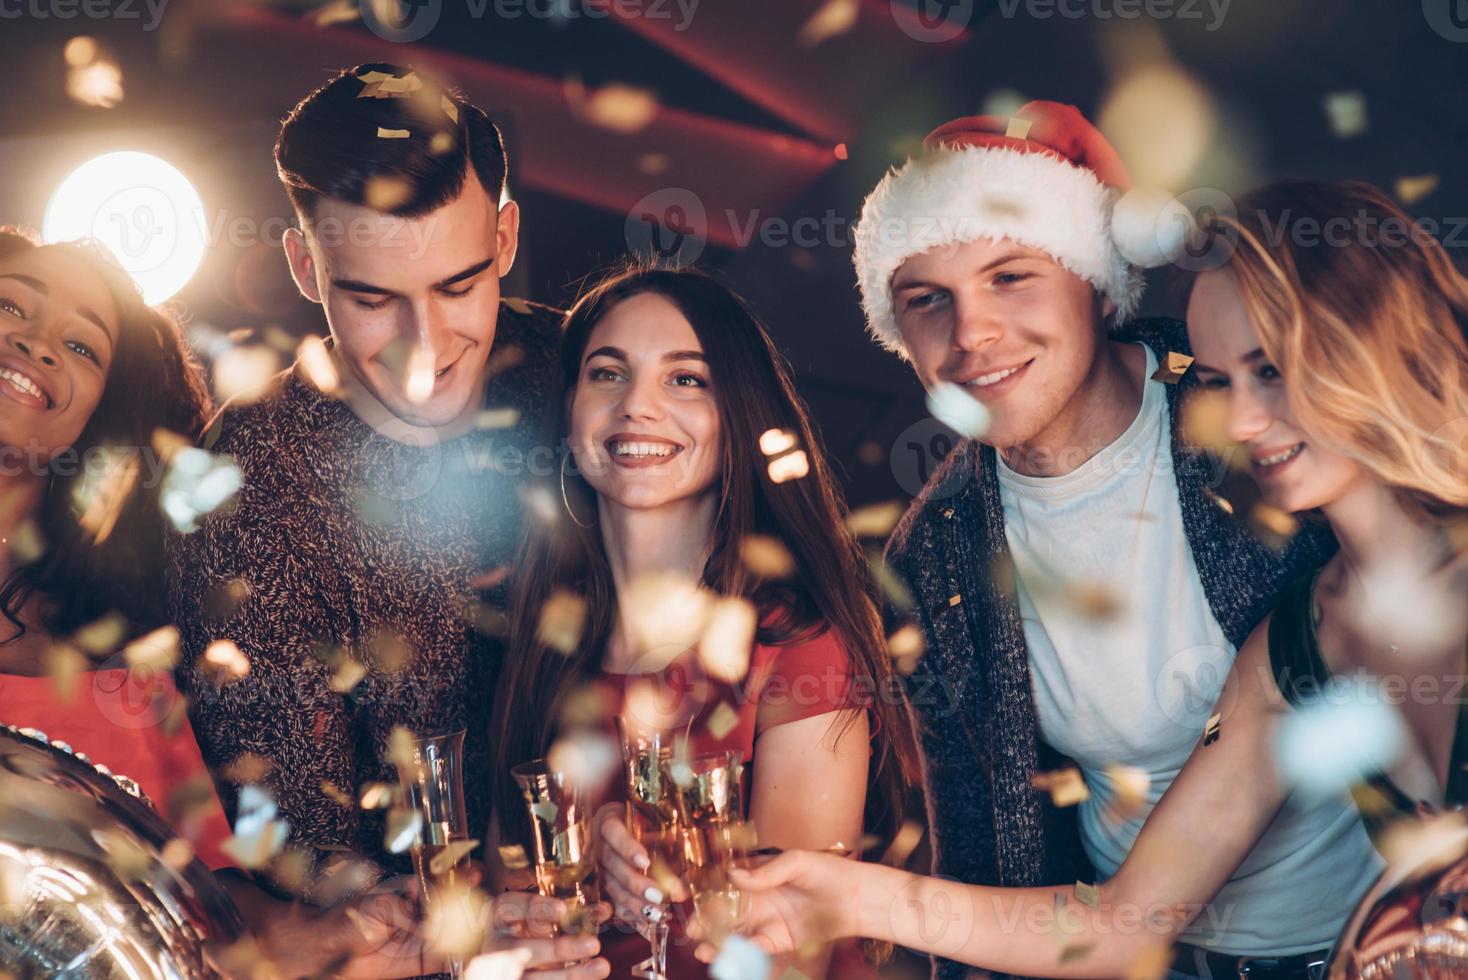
(1080,590)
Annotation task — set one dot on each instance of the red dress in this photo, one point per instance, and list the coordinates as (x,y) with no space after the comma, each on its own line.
(784,684)
(131,722)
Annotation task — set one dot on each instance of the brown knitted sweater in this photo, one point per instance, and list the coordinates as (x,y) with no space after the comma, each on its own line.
(353,545)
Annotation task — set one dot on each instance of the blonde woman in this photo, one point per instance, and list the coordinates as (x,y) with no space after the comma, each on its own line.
(1344,364)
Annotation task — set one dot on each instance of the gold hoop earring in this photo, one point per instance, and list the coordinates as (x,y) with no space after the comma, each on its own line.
(567,500)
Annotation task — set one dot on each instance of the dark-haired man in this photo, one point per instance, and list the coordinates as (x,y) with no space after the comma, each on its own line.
(379,477)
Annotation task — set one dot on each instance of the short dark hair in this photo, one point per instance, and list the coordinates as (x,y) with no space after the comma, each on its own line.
(329,145)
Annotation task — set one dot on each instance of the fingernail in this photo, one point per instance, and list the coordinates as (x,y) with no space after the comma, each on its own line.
(653,914)
(586,945)
(642,861)
(653,894)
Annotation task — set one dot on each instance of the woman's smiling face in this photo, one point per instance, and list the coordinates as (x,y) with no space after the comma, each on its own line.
(58,334)
(644,420)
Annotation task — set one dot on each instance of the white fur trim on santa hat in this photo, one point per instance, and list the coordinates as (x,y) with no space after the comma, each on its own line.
(952,196)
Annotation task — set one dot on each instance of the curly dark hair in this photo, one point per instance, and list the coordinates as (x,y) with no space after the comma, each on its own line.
(154,382)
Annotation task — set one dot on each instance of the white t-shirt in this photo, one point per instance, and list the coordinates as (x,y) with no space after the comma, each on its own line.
(1137,688)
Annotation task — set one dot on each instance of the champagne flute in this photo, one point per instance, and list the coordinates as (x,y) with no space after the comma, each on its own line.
(433,782)
(652,819)
(708,795)
(561,846)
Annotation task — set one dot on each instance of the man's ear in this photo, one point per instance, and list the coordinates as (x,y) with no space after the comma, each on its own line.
(507,236)
(302,262)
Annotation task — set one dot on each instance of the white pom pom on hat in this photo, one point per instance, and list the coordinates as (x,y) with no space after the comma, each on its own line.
(1044,177)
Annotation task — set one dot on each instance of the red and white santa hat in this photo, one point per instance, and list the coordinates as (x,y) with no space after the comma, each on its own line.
(1044,177)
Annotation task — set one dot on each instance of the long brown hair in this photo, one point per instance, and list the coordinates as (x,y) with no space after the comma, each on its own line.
(830,587)
(1367,321)
(154,382)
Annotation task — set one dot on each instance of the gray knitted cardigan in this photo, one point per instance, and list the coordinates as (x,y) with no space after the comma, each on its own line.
(972,690)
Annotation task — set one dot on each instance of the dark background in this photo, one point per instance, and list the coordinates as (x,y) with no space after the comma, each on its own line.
(756,120)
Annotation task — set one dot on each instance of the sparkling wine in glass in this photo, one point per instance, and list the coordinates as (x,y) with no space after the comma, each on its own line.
(708,795)
(560,826)
(433,782)
(652,818)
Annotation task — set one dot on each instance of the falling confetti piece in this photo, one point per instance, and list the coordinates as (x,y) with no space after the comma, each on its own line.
(875,520)
(125,854)
(384,133)
(335,793)
(377,796)
(80,50)
(197,483)
(1346,112)
(1205,420)
(497,418)
(101,636)
(336,12)
(834,18)
(587,759)
(223,663)
(349,673)
(291,870)
(1275,527)
(740,959)
(1067,787)
(157,650)
(387,194)
(1088,895)
(722,721)
(177,854)
(244,374)
(1172,368)
(766,556)
(1095,600)
(545,811)
(1075,951)
(1328,743)
(248,767)
(727,639)
(1212,730)
(440,144)
(404,830)
(258,834)
(104,490)
(1410,190)
(665,615)
(791,466)
(317,365)
(512,856)
(958,410)
(617,107)
(449,109)
(507,965)
(419,385)
(1129,786)
(455,922)
(653,164)
(840,151)
(773,442)
(1151,963)
(562,618)
(27,543)
(903,844)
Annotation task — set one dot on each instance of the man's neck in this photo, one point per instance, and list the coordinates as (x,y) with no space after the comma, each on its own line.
(1104,405)
(382,420)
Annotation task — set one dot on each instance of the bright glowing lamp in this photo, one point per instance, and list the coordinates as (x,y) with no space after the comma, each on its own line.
(140,207)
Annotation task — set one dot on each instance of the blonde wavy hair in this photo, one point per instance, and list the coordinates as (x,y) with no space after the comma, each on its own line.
(1365,315)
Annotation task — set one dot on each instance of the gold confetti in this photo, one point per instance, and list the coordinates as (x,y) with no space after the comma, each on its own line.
(243,374)
(773,442)
(728,639)
(1410,190)
(27,543)
(1205,420)
(497,418)
(445,859)
(1018,129)
(653,164)
(1095,600)
(1152,963)
(125,855)
(80,50)
(349,673)
(585,707)
(766,556)
(377,796)
(291,870)
(1212,730)
(1066,786)
(834,18)
(64,664)
(383,133)
(875,520)
(666,612)
(1075,951)
(336,12)
(791,466)
(93,76)
(1088,895)
(1275,527)
(223,663)
(455,922)
(562,619)
(103,491)
(440,144)
(449,109)
(903,844)
(722,720)
(1346,112)
(247,768)
(906,647)
(617,107)
(177,854)
(386,194)
(1130,786)
(157,650)
(317,365)
(335,793)
(512,856)
(101,636)
(420,381)
(404,830)
(1172,368)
